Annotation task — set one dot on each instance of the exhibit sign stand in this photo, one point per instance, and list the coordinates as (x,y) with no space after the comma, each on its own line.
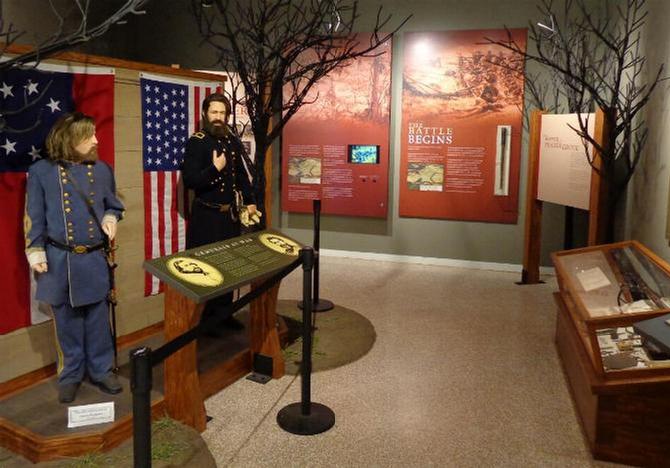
(561,181)
(193,277)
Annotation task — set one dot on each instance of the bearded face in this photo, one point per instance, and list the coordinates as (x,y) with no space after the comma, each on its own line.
(87,149)
(216,119)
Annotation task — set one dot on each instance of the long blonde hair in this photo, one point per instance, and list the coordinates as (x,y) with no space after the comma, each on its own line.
(68,131)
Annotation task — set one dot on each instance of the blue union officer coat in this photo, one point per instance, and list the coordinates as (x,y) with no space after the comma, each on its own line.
(56,210)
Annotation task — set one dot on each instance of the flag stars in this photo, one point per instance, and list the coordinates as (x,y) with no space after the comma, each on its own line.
(6,90)
(174,92)
(9,146)
(165,96)
(149,113)
(34,153)
(149,124)
(149,161)
(31,87)
(53,105)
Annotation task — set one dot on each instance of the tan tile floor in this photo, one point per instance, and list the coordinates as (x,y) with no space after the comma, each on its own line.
(464,372)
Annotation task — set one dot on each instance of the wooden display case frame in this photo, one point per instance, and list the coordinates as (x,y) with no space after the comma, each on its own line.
(624,413)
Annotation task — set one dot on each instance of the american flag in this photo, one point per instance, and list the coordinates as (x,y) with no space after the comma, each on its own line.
(170,114)
(30,102)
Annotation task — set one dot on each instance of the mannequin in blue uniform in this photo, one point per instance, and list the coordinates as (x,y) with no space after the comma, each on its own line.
(64,246)
(214,170)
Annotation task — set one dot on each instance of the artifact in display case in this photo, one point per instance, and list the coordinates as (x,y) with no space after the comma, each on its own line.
(612,287)
(618,379)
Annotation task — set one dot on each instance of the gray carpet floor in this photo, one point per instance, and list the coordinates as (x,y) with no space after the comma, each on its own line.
(463,372)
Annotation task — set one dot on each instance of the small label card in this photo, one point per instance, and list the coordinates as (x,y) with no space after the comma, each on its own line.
(86,415)
(593,278)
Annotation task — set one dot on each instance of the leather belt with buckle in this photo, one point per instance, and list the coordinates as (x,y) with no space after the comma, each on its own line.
(77,249)
(222,207)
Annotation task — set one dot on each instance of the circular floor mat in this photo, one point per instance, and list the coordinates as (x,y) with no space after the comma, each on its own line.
(342,336)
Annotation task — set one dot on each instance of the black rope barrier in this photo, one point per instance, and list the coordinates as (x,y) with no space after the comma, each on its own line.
(171,347)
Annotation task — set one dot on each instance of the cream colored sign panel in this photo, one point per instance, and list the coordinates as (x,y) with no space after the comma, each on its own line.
(564,173)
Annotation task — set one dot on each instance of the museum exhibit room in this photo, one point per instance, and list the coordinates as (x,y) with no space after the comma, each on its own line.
(277,233)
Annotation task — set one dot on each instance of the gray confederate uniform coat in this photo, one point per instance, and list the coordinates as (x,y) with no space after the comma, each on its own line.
(75,284)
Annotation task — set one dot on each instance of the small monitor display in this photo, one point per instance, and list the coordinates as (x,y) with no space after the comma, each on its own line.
(364,154)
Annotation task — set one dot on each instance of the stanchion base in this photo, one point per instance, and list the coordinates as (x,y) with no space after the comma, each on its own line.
(320,419)
(324,305)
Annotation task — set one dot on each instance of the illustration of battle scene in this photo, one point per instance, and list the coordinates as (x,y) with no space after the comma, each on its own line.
(357,92)
(425,176)
(304,170)
(463,82)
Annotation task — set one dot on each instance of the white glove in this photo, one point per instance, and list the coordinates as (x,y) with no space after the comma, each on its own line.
(247,219)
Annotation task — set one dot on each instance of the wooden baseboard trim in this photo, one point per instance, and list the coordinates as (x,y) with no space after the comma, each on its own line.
(135,337)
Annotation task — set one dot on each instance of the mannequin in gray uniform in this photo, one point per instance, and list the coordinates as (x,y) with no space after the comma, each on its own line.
(64,246)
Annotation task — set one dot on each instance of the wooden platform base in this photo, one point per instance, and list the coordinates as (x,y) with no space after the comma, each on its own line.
(34,425)
(624,421)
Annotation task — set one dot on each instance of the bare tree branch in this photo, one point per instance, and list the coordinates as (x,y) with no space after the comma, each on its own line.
(62,40)
(279,49)
(596,58)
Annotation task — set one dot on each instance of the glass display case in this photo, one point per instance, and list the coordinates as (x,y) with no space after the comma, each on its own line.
(607,289)
(619,383)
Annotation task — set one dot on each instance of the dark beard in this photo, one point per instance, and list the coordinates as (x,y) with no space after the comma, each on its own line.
(217,131)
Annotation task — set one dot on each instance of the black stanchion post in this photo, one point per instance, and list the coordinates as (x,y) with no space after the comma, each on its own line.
(140,386)
(306,417)
(318,304)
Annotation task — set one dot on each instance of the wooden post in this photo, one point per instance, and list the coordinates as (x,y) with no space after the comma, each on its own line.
(533,226)
(183,397)
(599,212)
(263,335)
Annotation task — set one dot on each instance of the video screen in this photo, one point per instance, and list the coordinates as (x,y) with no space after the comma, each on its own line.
(364,154)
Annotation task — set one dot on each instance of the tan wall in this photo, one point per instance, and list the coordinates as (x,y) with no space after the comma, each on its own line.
(32,348)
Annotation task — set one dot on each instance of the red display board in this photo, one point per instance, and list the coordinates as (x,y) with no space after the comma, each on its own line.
(336,149)
(461,126)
